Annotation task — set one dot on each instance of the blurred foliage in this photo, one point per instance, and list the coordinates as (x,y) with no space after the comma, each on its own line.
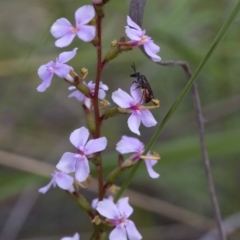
(38,125)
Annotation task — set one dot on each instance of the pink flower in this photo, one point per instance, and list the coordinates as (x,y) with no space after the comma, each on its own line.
(133,103)
(78,162)
(74,237)
(60,179)
(82,98)
(133,145)
(117,214)
(138,37)
(46,72)
(65,32)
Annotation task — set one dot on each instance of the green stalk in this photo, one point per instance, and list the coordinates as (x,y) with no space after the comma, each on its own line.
(187,87)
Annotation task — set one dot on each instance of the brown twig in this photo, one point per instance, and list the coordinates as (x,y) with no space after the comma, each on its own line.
(136,13)
(207,165)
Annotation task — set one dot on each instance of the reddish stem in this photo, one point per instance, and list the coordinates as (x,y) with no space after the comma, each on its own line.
(98,77)
(95,102)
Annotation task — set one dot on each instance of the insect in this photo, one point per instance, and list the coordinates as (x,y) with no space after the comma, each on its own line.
(143,84)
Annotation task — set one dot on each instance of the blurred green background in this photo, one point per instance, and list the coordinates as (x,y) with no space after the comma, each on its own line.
(35,127)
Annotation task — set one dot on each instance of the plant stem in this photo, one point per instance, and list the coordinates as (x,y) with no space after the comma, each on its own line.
(98,76)
(95,103)
(207,166)
(100,182)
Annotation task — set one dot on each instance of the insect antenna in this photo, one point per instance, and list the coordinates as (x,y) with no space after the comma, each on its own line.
(134,67)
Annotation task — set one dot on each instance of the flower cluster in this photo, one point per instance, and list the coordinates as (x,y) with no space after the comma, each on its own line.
(73,167)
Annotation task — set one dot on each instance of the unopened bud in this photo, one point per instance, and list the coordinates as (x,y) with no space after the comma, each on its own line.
(99,8)
(114,189)
(127,163)
(105,1)
(84,89)
(84,71)
(103,104)
(111,55)
(114,43)
(156,102)
(114,175)
(82,202)
(90,120)
(97,220)
(111,112)
(95,41)
(97,1)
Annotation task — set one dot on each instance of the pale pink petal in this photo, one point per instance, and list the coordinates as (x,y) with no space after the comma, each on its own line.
(63,180)
(118,233)
(84,14)
(132,232)
(95,145)
(82,169)
(78,95)
(122,99)
(94,203)
(45,83)
(91,85)
(154,47)
(67,162)
(46,188)
(124,208)
(108,209)
(87,33)
(71,88)
(45,75)
(75,237)
(147,118)
(129,144)
(132,24)
(134,122)
(65,40)
(87,102)
(67,56)
(43,71)
(60,27)
(103,86)
(149,166)
(111,198)
(43,86)
(136,93)
(101,94)
(79,137)
(133,34)
(62,70)
(150,49)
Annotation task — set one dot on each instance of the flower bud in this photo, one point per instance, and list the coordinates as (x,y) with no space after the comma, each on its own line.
(96,1)
(83,88)
(111,55)
(90,120)
(114,175)
(111,112)
(82,202)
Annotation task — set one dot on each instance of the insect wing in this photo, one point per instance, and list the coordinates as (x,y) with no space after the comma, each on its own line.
(143,82)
